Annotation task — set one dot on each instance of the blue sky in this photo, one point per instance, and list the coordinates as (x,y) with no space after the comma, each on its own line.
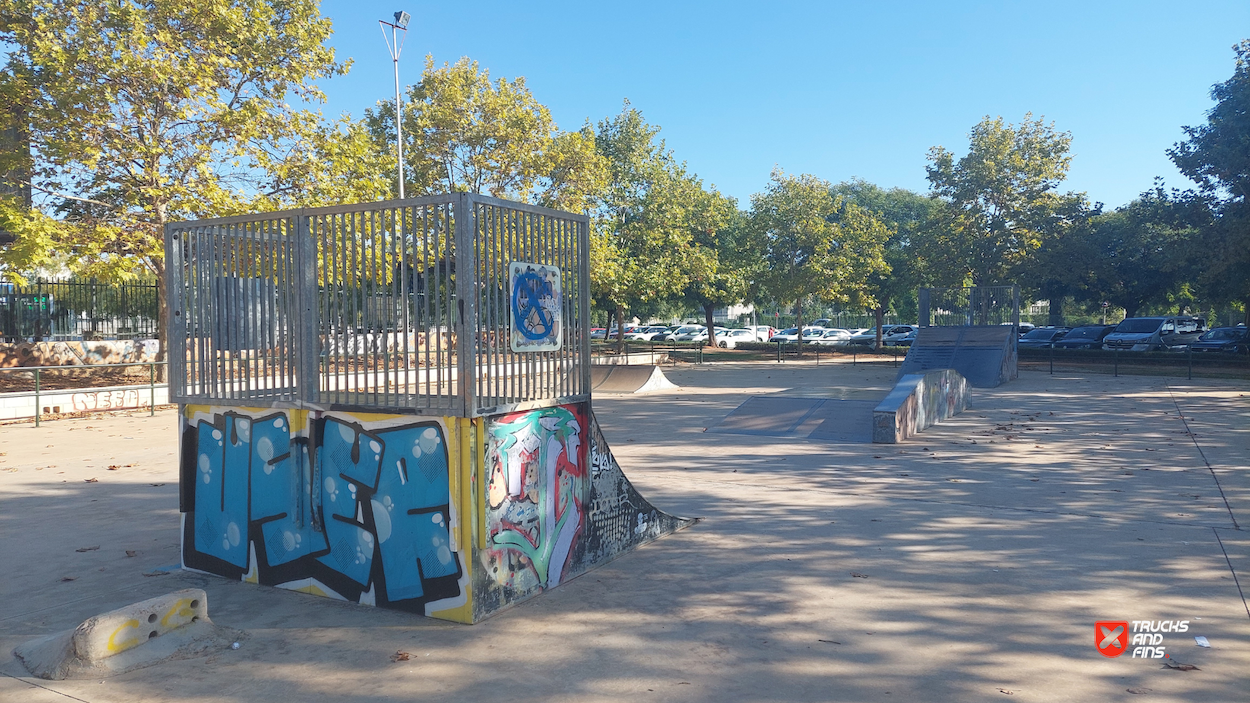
(840,90)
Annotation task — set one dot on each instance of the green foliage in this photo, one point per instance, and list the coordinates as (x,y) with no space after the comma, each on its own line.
(911,217)
(1000,195)
(464,132)
(813,243)
(1217,156)
(1140,254)
(644,248)
(145,112)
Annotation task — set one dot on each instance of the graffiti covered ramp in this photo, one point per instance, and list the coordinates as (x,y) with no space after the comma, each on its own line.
(455,518)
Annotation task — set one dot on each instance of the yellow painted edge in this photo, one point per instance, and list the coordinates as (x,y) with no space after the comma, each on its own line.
(483,476)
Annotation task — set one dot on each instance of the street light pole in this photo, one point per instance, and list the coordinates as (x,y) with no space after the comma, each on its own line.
(395,46)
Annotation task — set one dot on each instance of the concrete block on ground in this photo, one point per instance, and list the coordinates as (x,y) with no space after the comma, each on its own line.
(172,626)
(917,402)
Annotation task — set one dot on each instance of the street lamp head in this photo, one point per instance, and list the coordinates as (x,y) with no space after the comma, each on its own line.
(401,19)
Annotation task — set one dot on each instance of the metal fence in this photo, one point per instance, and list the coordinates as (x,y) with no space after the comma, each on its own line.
(402,306)
(77,310)
(969,306)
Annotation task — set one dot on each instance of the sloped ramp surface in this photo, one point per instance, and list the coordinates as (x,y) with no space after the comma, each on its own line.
(844,421)
(620,519)
(986,356)
(628,379)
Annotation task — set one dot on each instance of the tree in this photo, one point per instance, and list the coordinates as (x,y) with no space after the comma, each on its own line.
(1217,156)
(141,113)
(1142,252)
(727,256)
(814,243)
(643,248)
(464,132)
(910,216)
(999,195)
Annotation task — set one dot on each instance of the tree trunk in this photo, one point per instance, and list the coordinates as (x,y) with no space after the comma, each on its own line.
(162,321)
(798,319)
(879,317)
(1246,311)
(711,327)
(620,329)
(1130,311)
(1055,314)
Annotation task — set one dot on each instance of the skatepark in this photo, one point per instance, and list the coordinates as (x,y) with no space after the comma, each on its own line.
(967,563)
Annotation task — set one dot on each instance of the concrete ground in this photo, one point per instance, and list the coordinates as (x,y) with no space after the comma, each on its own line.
(970,564)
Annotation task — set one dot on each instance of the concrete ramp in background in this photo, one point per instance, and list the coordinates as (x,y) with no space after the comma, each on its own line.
(628,379)
(985,356)
(918,402)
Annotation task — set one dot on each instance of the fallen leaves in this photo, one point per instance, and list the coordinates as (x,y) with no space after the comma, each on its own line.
(131,553)
(1180,667)
(400,656)
(858,575)
(91,480)
(1007,691)
(87,549)
(829,641)
(1139,690)
(69,578)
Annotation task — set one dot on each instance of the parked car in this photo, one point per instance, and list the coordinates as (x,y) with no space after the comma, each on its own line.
(615,331)
(701,335)
(907,339)
(1042,337)
(787,335)
(1155,333)
(731,338)
(1233,340)
(1087,337)
(868,337)
(834,337)
(763,333)
(813,334)
(681,331)
(1023,328)
(598,332)
(647,334)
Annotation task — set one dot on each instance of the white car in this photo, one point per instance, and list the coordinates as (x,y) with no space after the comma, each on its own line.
(834,337)
(682,332)
(701,335)
(811,334)
(732,338)
(647,334)
(868,337)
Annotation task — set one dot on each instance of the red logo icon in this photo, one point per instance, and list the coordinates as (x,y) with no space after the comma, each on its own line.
(1111,637)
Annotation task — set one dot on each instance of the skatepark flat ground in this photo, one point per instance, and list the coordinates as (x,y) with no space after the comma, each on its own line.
(969,564)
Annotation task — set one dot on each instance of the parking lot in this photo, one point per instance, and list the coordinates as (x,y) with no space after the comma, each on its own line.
(969,564)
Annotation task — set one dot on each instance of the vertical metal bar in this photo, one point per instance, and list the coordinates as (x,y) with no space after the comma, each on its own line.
(583,293)
(308,387)
(466,303)
(38,406)
(152,387)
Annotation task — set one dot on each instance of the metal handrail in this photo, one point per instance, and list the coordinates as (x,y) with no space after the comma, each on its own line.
(91,367)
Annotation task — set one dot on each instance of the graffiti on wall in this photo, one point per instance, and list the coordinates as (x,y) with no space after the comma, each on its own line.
(535,495)
(335,507)
(77,353)
(110,400)
(557,505)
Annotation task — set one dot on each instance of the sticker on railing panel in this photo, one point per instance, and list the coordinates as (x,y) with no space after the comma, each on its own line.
(537,303)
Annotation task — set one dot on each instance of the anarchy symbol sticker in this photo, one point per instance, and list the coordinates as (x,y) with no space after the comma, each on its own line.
(537,303)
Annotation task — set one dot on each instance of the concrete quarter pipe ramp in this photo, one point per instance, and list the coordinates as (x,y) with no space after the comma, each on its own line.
(986,356)
(628,379)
